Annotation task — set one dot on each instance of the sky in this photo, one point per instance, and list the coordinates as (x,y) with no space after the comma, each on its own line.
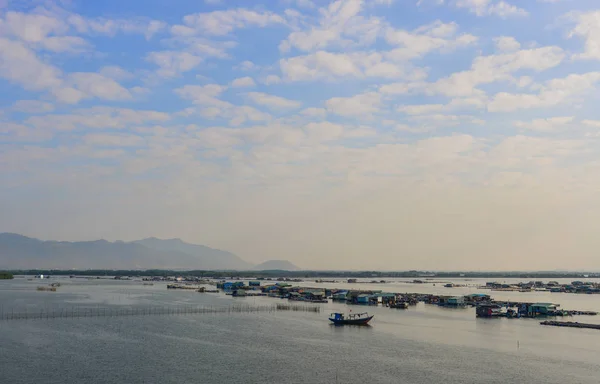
(348,134)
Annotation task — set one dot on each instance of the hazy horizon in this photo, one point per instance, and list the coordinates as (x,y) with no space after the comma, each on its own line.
(365,135)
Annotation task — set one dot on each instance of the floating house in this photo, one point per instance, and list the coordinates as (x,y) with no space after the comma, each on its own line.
(316,296)
(489,310)
(340,296)
(449,301)
(295,296)
(477,298)
(363,299)
(230,286)
(455,301)
(541,309)
(385,297)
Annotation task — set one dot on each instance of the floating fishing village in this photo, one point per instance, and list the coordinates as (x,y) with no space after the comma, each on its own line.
(485,305)
(297,290)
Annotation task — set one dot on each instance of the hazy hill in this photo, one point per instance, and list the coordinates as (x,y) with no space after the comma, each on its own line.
(21,252)
(271,265)
(212,258)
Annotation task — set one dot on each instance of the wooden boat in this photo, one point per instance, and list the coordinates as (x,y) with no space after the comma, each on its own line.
(351,319)
(399,305)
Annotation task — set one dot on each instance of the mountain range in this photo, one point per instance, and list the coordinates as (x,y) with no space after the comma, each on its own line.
(22,252)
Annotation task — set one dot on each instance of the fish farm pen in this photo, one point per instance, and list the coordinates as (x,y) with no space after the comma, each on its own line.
(571,324)
(80,312)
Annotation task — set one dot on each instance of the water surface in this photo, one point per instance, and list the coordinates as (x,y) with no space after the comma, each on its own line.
(424,344)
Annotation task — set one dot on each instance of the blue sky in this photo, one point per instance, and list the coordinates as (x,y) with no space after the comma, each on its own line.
(426,133)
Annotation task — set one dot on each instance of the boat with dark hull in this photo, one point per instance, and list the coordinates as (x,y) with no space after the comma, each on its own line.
(351,319)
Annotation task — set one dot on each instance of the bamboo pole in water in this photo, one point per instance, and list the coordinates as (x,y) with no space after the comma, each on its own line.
(110,312)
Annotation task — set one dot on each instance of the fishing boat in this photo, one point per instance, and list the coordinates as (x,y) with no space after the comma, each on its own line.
(351,319)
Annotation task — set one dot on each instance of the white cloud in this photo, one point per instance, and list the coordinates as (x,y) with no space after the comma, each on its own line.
(32,106)
(402,88)
(524,81)
(31,27)
(588,27)
(420,109)
(68,95)
(111,27)
(319,64)
(243,82)
(202,94)
(140,90)
(519,150)
(220,23)
(93,85)
(491,7)
(314,112)
(421,3)
(363,104)
(323,131)
(493,68)
(305,4)
(240,114)
(459,103)
(551,124)
(433,37)
(271,79)
(173,63)
(592,123)
(64,44)
(272,101)
(339,24)
(553,92)
(507,44)
(246,65)
(327,65)
(499,8)
(96,118)
(52,29)
(484,70)
(40,31)
(20,65)
(437,36)
(431,122)
(211,107)
(116,73)
(113,140)
(190,52)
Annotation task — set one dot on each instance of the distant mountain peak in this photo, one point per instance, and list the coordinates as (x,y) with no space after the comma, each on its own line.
(22,252)
(282,265)
(156,239)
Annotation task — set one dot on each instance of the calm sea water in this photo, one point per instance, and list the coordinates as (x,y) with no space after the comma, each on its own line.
(425,344)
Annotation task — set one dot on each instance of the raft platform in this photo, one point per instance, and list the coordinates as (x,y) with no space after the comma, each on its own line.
(571,324)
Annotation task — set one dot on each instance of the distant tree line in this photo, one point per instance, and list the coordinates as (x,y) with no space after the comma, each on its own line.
(5,276)
(421,275)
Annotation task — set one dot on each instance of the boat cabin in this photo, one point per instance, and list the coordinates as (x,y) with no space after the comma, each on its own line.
(351,316)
